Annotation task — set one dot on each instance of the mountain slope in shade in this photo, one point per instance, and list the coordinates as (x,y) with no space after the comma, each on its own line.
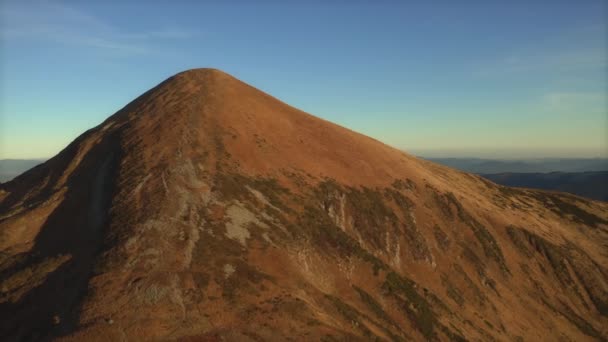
(208,210)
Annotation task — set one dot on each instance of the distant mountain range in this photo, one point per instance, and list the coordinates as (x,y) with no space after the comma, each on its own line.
(587,177)
(11,168)
(488,166)
(592,185)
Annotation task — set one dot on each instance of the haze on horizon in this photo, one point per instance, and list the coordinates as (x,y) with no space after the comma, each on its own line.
(481,79)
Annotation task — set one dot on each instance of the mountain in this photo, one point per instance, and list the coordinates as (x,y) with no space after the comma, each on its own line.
(207,210)
(10,168)
(541,165)
(592,185)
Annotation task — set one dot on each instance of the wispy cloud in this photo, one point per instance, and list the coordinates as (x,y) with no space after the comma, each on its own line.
(59,23)
(584,48)
(574,102)
(589,58)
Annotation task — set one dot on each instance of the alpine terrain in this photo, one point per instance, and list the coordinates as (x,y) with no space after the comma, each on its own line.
(208,210)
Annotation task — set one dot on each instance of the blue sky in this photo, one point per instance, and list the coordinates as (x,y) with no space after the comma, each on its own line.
(478,78)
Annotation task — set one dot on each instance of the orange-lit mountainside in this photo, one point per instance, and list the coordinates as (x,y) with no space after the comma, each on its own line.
(208,210)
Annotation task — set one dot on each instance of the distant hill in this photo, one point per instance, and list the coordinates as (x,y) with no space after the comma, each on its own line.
(11,168)
(592,185)
(487,166)
(587,177)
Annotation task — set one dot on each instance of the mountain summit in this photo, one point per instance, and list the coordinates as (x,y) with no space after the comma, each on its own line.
(208,210)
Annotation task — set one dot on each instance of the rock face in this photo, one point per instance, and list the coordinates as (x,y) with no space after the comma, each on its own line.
(208,210)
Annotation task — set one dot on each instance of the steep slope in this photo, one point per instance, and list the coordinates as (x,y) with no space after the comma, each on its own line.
(208,210)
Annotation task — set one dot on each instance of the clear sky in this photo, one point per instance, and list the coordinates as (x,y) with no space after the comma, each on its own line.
(438,78)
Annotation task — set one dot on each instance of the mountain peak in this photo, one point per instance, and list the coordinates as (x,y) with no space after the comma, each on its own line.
(202,75)
(201,72)
(199,81)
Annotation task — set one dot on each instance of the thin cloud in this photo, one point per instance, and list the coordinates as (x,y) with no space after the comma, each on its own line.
(558,61)
(166,33)
(62,24)
(564,60)
(594,102)
(579,49)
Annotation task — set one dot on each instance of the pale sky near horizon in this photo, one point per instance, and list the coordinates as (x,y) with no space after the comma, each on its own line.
(477,78)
